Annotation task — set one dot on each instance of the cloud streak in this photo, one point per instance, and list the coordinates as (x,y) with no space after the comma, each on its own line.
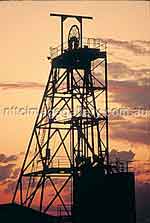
(6,171)
(121,71)
(138,47)
(20,85)
(6,159)
(134,132)
(130,93)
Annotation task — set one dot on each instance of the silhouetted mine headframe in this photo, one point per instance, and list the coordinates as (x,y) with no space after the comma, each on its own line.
(66,171)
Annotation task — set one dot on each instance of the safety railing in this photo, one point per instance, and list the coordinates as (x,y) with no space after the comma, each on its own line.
(63,211)
(89,42)
(60,162)
(121,165)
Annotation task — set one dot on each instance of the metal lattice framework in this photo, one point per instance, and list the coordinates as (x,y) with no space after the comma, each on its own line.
(70,132)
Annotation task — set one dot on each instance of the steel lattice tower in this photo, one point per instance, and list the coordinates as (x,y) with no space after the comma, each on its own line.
(70,135)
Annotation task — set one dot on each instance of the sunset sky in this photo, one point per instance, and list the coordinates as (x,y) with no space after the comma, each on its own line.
(26,33)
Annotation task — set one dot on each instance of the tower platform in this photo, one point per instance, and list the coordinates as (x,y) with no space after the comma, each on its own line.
(77,58)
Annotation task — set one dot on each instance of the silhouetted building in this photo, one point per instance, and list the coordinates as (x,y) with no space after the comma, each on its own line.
(105,198)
